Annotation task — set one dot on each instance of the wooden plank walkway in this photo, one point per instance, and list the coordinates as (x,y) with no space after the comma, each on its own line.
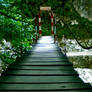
(44,69)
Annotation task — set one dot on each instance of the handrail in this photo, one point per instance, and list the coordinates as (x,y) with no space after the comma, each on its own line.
(74,36)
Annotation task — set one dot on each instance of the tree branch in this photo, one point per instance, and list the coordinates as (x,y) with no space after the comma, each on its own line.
(9,16)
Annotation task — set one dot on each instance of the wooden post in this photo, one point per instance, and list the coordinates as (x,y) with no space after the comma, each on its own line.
(40,30)
(52,23)
(55,36)
(55,27)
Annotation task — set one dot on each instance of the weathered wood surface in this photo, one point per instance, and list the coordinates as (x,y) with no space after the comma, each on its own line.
(44,69)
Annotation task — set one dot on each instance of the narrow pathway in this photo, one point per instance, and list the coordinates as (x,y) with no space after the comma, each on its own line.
(44,69)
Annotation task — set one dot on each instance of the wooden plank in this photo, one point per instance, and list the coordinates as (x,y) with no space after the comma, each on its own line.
(46,8)
(47,52)
(45,87)
(39,79)
(41,67)
(46,45)
(47,57)
(82,90)
(45,64)
(38,72)
(43,59)
(85,90)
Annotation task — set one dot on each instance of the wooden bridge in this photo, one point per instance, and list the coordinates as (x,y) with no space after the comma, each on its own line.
(44,69)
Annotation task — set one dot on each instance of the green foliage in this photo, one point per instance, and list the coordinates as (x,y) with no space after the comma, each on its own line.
(7,58)
(46,32)
(19,34)
(82,30)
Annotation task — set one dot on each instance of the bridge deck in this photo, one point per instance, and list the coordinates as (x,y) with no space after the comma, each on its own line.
(45,69)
